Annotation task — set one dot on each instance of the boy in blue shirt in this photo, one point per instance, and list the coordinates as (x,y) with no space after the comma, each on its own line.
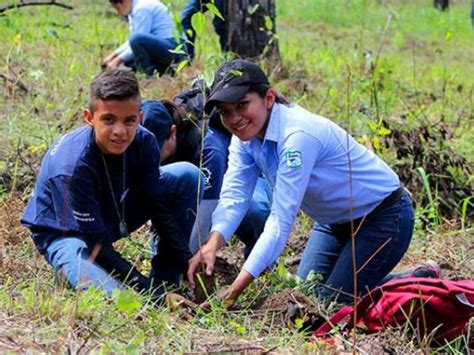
(151,37)
(102,181)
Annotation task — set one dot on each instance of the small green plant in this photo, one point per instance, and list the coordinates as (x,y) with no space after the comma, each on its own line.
(431,209)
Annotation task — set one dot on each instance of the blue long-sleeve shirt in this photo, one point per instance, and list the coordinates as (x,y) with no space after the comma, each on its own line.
(73,193)
(147,17)
(305,159)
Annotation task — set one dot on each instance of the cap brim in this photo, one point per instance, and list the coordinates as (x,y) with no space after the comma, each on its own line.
(232,94)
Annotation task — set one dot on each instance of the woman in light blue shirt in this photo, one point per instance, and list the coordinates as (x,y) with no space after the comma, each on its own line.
(314,165)
(151,37)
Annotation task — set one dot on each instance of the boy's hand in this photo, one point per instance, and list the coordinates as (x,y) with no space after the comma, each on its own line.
(206,255)
(182,306)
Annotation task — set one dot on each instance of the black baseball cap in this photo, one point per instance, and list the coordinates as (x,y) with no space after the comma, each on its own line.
(232,82)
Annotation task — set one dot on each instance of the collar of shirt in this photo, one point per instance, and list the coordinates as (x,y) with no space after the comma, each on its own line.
(273,127)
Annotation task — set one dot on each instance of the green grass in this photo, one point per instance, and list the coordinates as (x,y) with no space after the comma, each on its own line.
(419,72)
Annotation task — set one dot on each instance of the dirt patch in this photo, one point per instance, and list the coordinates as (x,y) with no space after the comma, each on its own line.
(225,271)
(211,344)
(205,286)
(12,239)
(290,309)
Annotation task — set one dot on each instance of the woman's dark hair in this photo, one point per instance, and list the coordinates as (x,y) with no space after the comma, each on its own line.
(113,84)
(188,134)
(261,90)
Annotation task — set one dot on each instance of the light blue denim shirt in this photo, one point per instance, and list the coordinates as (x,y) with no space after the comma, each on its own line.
(147,17)
(311,163)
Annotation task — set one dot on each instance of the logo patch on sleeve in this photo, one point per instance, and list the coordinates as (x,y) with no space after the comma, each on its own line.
(207,175)
(293,158)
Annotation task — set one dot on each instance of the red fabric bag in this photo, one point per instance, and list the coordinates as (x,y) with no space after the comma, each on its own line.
(430,305)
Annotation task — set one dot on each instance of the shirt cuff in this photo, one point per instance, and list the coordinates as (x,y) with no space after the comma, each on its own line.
(223,228)
(254,267)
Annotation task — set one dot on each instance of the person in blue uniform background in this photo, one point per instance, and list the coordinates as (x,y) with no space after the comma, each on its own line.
(180,138)
(311,164)
(194,6)
(151,39)
(102,181)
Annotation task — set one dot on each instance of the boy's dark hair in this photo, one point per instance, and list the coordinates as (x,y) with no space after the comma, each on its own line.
(113,84)
(115,1)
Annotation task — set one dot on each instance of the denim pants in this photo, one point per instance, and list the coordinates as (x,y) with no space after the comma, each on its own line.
(152,53)
(194,6)
(252,225)
(253,222)
(82,263)
(380,243)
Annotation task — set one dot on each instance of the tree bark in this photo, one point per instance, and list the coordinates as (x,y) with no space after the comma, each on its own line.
(441,4)
(251,31)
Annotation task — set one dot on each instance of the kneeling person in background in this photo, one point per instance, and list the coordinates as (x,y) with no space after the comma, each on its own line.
(151,37)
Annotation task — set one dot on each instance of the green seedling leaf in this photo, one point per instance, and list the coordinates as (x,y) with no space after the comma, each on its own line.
(281,270)
(372,126)
(253,9)
(213,8)
(299,323)
(126,300)
(239,329)
(268,23)
(181,65)
(178,50)
(376,143)
(448,35)
(382,131)
(198,22)
(235,72)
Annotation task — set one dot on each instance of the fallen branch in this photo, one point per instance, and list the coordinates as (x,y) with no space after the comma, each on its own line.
(15,82)
(35,3)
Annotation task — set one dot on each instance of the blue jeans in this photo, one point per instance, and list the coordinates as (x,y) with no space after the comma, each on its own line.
(152,53)
(253,222)
(194,6)
(83,263)
(252,225)
(380,243)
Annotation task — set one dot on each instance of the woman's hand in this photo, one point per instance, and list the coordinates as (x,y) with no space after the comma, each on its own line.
(182,306)
(206,255)
(228,296)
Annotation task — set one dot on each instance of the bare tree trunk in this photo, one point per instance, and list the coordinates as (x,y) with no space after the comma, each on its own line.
(251,28)
(441,4)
